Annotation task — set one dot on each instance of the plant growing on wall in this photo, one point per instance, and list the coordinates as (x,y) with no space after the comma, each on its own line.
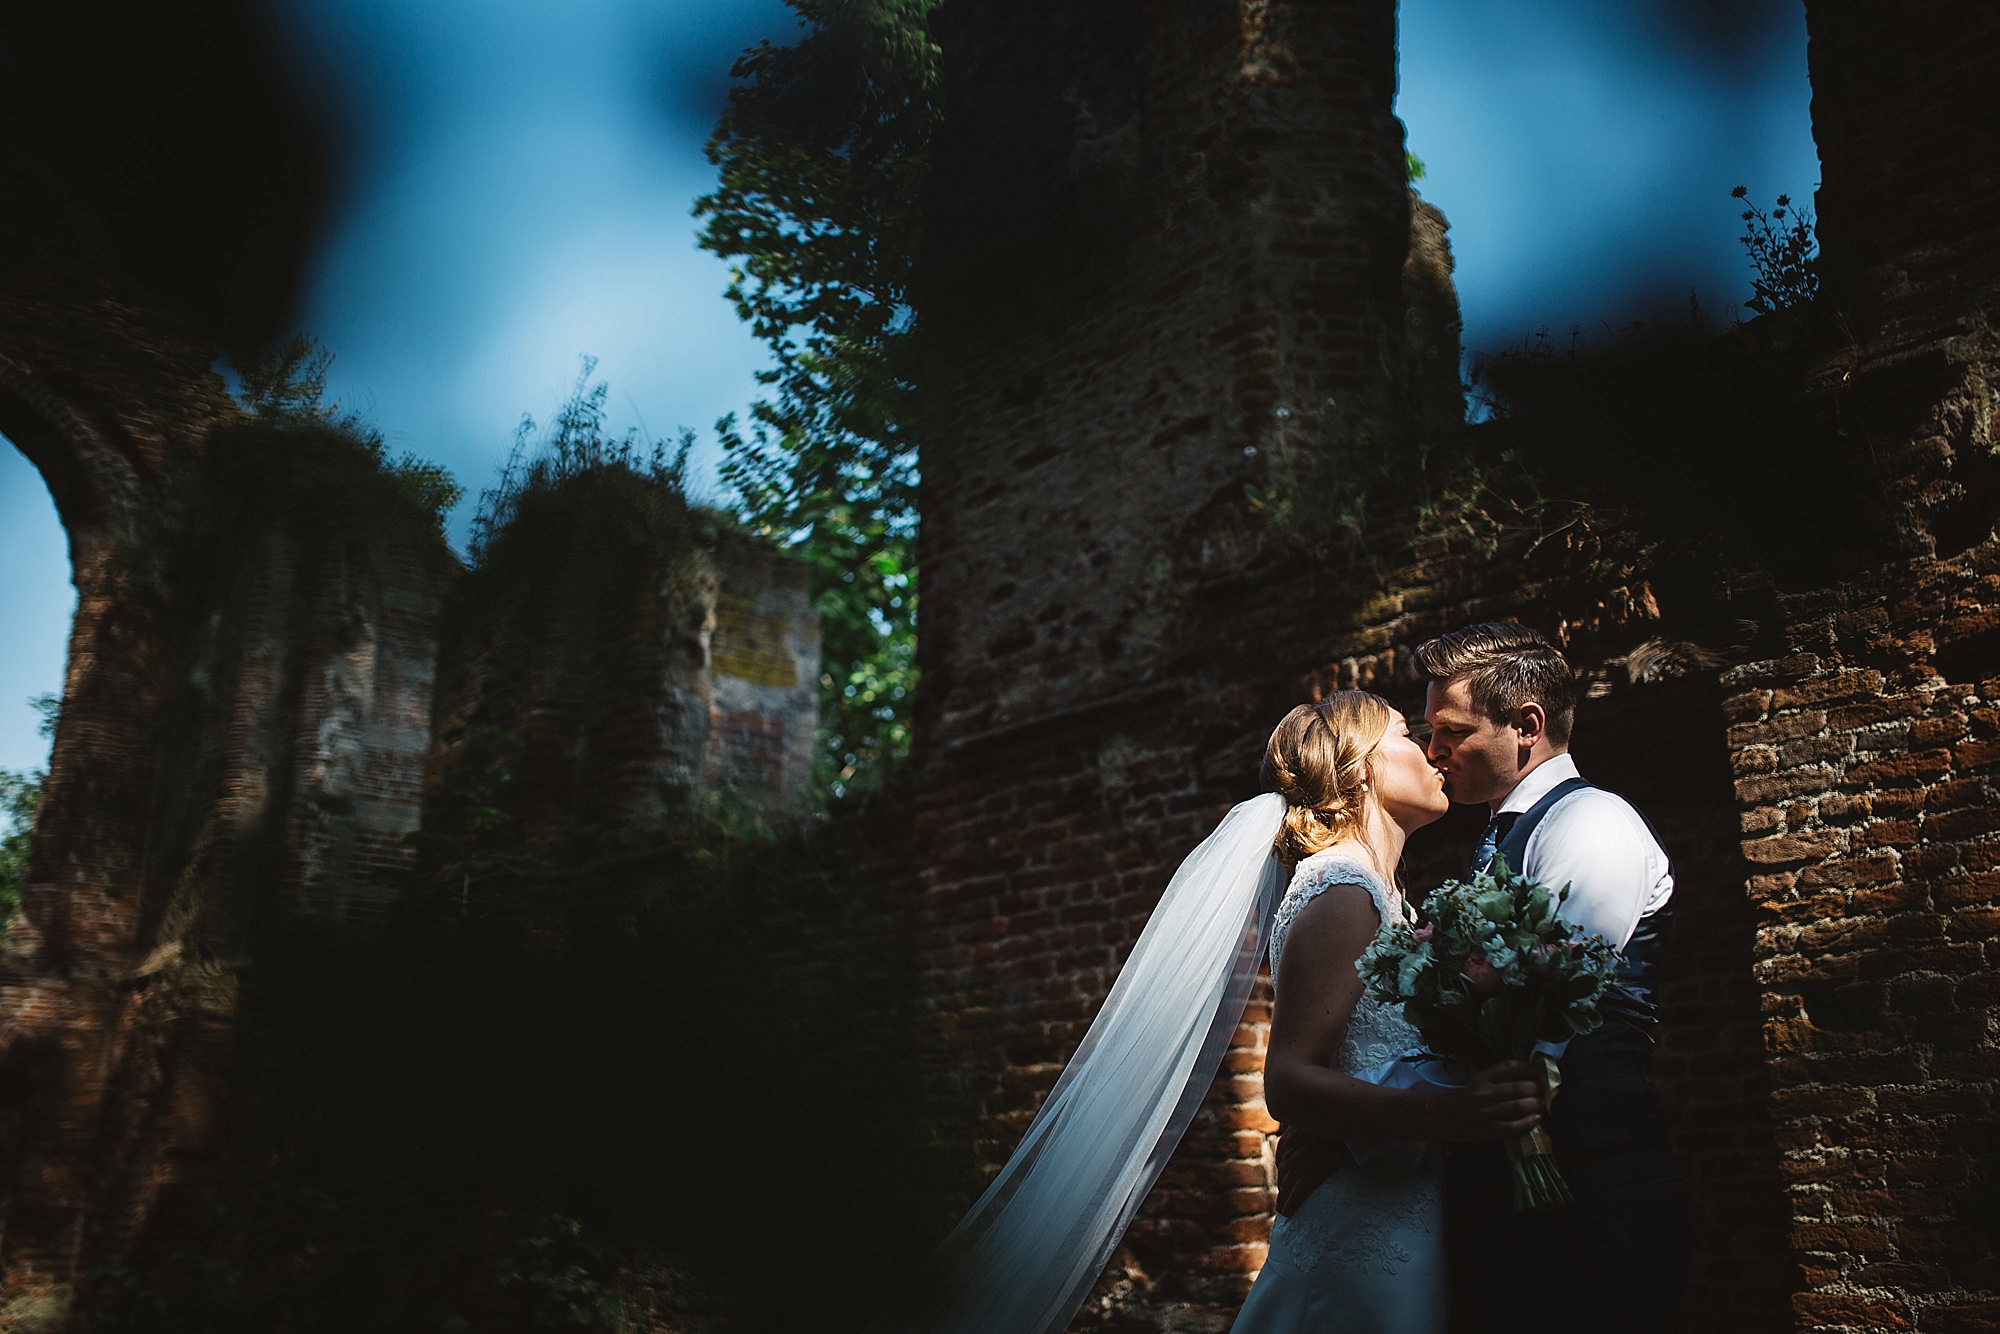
(1560,465)
(821,152)
(286,386)
(575,446)
(291,461)
(1784,254)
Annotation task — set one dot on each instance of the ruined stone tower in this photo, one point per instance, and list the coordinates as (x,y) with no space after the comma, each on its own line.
(1165,242)
(247,723)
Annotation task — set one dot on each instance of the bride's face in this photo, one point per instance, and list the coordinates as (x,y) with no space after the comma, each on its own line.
(1405,785)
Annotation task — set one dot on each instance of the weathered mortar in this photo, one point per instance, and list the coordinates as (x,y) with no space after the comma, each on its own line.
(764,658)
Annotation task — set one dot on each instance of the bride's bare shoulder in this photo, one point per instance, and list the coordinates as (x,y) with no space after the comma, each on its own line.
(1329,905)
(1330,931)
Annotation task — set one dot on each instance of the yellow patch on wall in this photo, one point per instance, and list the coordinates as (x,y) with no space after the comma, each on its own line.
(750,646)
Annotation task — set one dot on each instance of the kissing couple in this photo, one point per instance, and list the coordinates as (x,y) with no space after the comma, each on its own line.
(1394,1210)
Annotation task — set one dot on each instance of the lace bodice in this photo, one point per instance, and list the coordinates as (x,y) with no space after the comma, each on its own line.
(1374,1229)
(1376,1032)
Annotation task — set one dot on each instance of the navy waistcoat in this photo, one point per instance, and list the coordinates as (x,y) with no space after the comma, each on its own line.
(1606,1104)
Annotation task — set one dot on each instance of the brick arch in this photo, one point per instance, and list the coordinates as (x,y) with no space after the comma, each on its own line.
(87,478)
(237,739)
(83,1022)
(99,489)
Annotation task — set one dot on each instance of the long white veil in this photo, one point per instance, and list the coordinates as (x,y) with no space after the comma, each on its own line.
(1026,1255)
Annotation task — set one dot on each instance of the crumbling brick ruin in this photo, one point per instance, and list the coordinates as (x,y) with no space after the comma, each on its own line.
(1171,256)
(1165,244)
(248,724)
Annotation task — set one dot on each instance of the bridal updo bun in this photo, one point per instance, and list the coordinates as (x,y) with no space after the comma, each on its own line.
(1317,760)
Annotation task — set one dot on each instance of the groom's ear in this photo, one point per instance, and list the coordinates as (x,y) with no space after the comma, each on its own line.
(1531,722)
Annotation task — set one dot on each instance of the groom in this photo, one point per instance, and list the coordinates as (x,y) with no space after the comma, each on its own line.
(1500,703)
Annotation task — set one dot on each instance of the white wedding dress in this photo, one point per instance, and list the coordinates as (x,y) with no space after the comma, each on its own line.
(1365,1251)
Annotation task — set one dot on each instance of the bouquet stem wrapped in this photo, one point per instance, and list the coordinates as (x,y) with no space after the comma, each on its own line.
(1486,971)
(1538,1182)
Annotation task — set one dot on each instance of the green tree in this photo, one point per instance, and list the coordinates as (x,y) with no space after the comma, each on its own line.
(821,152)
(20,795)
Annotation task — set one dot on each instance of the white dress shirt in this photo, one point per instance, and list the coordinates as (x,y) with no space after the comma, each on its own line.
(1594,842)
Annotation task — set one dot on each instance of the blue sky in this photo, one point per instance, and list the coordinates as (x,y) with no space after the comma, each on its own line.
(1584,153)
(522,171)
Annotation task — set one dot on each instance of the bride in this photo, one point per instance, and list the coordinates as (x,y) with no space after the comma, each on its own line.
(1357,1245)
(1358,1241)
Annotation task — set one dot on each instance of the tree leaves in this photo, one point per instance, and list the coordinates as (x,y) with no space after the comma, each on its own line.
(822,150)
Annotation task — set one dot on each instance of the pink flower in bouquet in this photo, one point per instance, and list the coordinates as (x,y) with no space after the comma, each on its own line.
(1423,932)
(1483,976)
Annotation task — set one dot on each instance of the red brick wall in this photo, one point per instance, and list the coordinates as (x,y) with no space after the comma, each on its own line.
(1106,643)
(101,399)
(1863,752)
(627,682)
(1868,816)
(1162,237)
(764,660)
(362,730)
(281,759)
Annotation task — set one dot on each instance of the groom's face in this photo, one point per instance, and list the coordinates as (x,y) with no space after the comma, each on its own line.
(1479,758)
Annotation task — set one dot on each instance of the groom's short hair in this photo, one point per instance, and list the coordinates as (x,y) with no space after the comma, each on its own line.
(1507,665)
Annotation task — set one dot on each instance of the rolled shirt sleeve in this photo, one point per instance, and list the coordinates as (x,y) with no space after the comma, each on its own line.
(1594,842)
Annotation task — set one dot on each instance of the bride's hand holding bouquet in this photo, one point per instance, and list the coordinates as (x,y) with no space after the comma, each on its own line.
(1486,971)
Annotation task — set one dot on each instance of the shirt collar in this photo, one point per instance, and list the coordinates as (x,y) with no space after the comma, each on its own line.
(1541,780)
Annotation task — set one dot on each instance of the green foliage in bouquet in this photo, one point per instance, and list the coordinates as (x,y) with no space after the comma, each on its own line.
(1485,971)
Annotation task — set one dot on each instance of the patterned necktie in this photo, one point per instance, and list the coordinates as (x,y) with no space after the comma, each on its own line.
(1489,842)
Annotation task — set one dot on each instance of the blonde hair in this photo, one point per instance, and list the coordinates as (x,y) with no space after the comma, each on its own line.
(1317,760)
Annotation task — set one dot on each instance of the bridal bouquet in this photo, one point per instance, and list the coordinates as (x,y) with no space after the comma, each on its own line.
(1485,971)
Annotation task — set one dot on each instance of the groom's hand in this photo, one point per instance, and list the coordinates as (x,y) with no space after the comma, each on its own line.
(1504,1100)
